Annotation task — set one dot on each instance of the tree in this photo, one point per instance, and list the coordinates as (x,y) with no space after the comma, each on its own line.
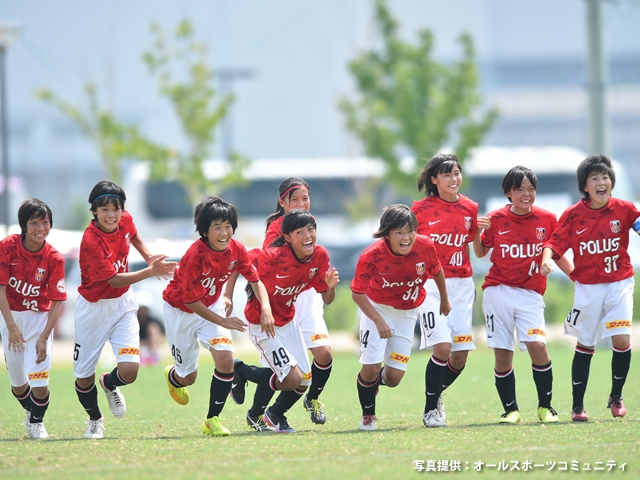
(410,105)
(195,103)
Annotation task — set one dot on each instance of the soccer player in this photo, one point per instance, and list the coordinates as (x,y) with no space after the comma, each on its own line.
(106,307)
(195,313)
(597,230)
(450,219)
(388,287)
(32,290)
(293,264)
(513,289)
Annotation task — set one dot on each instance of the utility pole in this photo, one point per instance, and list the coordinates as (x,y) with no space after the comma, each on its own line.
(597,79)
(227,77)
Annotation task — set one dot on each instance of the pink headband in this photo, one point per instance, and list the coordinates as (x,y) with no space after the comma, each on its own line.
(295,187)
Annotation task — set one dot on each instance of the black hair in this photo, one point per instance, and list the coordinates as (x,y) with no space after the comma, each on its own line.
(514,178)
(292,221)
(33,208)
(286,189)
(105,193)
(594,164)
(214,208)
(441,163)
(396,217)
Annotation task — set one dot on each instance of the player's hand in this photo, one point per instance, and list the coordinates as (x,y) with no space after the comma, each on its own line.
(41,349)
(332,278)
(484,223)
(445,307)
(268,324)
(384,329)
(228,305)
(16,340)
(546,268)
(234,323)
(161,268)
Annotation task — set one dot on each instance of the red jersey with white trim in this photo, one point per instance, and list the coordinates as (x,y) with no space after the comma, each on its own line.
(274,231)
(451,226)
(203,272)
(33,279)
(396,280)
(285,277)
(517,242)
(102,256)
(599,240)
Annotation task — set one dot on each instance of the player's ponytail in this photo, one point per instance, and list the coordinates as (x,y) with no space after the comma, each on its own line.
(285,190)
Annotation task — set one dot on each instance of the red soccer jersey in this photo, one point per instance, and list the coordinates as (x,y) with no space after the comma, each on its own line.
(396,280)
(102,256)
(33,279)
(284,277)
(599,240)
(274,231)
(451,226)
(203,272)
(517,242)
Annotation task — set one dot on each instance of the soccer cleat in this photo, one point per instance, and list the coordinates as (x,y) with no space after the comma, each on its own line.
(37,430)
(579,414)
(432,419)
(368,422)
(257,423)
(117,405)
(616,406)
(213,427)
(440,407)
(278,423)
(237,385)
(180,395)
(315,409)
(511,417)
(95,428)
(547,415)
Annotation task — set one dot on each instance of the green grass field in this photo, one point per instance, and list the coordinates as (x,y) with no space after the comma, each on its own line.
(160,439)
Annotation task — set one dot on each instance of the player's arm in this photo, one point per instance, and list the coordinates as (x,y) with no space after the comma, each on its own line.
(200,309)
(484,223)
(158,268)
(267,321)
(227,295)
(332,278)
(16,339)
(52,319)
(140,245)
(365,305)
(445,306)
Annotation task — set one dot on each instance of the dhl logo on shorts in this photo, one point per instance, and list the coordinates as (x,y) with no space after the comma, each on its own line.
(220,341)
(319,336)
(462,339)
(398,357)
(129,351)
(307,376)
(618,324)
(38,375)
(537,331)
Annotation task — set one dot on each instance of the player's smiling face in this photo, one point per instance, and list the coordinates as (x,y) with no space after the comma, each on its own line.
(37,231)
(599,189)
(108,217)
(219,235)
(523,197)
(299,199)
(401,240)
(448,184)
(302,240)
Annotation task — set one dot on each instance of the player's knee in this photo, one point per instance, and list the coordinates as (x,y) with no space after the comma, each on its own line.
(322,355)
(40,392)
(128,372)
(189,379)
(369,373)
(292,380)
(224,363)
(442,350)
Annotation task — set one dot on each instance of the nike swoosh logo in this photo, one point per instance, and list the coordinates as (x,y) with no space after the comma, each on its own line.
(502,233)
(369,406)
(14,264)
(429,336)
(577,383)
(234,385)
(578,232)
(207,273)
(433,223)
(36,418)
(109,254)
(281,276)
(219,403)
(617,378)
(549,392)
(489,336)
(429,393)
(511,403)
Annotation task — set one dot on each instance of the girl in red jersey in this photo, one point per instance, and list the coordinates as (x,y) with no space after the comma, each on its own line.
(450,219)
(106,307)
(388,287)
(514,287)
(293,264)
(194,310)
(597,230)
(31,291)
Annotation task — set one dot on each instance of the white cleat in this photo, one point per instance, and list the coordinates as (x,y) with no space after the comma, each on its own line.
(117,405)
(368,422)
(432,419)
(95,428)
(37,431)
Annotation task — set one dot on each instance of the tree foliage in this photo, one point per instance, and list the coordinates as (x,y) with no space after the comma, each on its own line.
(411,105)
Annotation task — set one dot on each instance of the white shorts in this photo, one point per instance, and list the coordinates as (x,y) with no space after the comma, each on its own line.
(112,319)
(185,329)
(454,328)
(284,352)
(310,313)
(507,309)
(601,310)
(22,367)
(394,351)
